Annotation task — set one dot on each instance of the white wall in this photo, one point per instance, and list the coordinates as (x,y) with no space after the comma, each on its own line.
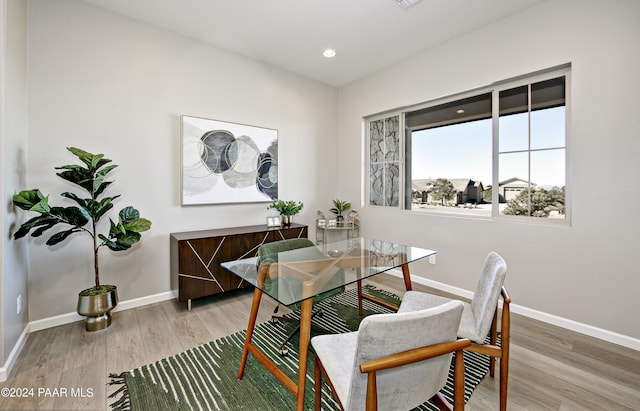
(587,272)
(113,85)
(110,84)
(13,141)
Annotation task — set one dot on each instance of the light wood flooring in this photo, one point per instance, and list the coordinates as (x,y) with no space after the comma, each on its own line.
(550,368)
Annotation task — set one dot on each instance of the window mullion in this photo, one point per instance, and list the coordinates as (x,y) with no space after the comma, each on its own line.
(529,203)
(495,168)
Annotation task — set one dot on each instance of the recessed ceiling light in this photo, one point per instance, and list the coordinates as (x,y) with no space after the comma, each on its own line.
(328,53)
(460,111)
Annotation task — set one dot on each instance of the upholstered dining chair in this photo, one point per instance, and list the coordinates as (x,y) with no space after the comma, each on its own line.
(268,252)
(394,361)
(479,317)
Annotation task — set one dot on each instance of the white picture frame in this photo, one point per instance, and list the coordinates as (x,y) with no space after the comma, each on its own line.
(274,221)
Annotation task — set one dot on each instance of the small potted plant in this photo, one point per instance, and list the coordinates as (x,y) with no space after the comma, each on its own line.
(339,208)
(287,209)
(94,303)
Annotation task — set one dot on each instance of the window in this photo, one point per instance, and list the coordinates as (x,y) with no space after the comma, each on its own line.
(451,156)
(531,149)
(448,156)
(384,166)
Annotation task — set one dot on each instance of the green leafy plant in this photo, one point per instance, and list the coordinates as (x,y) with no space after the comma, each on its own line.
(443,190)
(537,202)
(286,207)
(84,217)
(340,207)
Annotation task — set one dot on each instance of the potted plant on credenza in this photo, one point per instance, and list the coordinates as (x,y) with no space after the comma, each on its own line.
(287,209)
(94,303)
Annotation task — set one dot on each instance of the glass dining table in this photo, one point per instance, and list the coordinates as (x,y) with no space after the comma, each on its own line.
(298,276)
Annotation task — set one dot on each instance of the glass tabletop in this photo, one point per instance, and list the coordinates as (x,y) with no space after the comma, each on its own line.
(292,276)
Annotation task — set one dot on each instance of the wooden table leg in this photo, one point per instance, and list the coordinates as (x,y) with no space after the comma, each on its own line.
(257,295)
(305,338)
(407,277)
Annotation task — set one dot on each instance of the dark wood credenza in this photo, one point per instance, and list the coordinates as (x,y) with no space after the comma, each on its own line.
(196,256)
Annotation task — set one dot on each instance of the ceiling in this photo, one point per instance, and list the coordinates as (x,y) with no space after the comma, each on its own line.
(368,35)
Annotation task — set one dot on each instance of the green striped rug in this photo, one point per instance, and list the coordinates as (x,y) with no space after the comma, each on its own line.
(204,377)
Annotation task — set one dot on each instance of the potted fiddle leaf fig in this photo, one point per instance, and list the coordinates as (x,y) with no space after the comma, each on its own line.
(94,303)
(287,209)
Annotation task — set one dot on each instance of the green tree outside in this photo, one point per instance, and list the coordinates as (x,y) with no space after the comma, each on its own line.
(443,190)
(543,202)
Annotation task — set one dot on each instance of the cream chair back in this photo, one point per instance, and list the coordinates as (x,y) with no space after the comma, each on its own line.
(405,387)
(485,299)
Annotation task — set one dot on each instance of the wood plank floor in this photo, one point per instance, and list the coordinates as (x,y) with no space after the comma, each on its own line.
(550,368)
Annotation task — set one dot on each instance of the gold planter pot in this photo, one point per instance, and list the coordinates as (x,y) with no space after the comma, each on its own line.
(97,308)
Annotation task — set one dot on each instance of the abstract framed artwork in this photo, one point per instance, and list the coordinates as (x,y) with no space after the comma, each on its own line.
(226,162)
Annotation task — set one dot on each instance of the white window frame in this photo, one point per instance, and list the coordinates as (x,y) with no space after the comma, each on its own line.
(495,89)
(528,80)
(401,158)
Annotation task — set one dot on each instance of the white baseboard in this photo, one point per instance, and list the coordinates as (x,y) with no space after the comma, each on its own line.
(149,299)
(581,328)
(13,356)
(54,321)
(63,319)
(122,305)
(578,327)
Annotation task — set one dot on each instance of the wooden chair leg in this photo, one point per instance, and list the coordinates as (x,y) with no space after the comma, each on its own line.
(493,338)
(458,381)
(318,382)
(505,342)
(407,277)
(504,378)
(372,392)
(322,373)
(458,387)
(439,401)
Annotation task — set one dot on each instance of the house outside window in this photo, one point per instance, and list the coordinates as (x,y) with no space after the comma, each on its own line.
(447,156)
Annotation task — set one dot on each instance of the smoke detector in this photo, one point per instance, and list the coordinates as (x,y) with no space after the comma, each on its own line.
(406,4)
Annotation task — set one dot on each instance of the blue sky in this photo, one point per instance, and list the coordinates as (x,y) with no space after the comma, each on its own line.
(464,150)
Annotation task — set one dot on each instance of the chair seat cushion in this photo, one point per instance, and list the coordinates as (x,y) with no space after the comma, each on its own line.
(338,353)
(416,300)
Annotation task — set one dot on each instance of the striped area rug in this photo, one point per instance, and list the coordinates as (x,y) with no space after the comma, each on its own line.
(204,377)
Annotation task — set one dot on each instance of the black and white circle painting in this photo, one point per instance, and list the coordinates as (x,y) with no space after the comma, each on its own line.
(228,163)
